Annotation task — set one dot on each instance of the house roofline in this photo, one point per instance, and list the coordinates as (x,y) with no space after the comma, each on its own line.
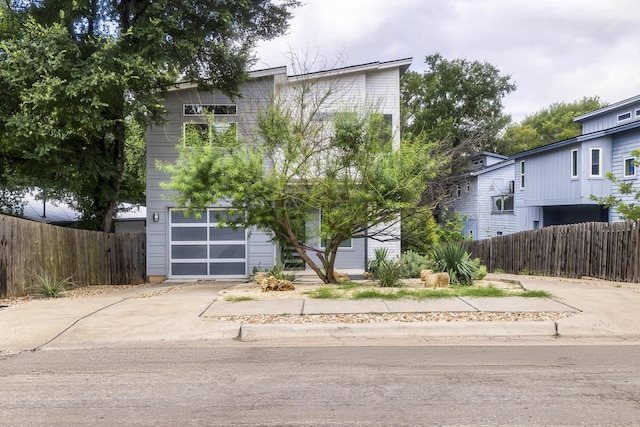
(493,167)
(578,139)
(402,64)
(607,109)
(253,74)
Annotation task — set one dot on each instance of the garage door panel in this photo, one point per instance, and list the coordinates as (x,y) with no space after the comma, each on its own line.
(180,217)
(227,268)
(225,233)
(227,251)
(186,234)
(189,252)
(189,269)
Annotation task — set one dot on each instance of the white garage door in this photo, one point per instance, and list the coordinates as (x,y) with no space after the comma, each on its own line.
(200,247)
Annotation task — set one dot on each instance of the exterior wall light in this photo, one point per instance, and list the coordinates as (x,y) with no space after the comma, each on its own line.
(156,217)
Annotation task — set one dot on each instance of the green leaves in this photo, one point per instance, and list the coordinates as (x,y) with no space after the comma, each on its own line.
(79,78)
(552,124)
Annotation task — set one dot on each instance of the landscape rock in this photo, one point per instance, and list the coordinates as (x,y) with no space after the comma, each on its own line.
(341,277)
(437,280)
(270,283)
(424,274)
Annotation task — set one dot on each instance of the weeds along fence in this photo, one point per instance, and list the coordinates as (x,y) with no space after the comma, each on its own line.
(28,248)
(608,251)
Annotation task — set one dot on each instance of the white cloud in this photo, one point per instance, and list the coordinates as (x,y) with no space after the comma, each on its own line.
(554,50)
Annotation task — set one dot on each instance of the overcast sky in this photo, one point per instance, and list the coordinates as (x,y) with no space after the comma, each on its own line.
(554,50)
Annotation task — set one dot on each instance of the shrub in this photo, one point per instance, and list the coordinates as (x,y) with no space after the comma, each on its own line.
(386,271)
(48,286)
(413,263)
(481,271)
(278,272)
(453,259)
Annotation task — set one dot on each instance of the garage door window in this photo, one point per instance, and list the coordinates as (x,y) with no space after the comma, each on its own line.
(204,246)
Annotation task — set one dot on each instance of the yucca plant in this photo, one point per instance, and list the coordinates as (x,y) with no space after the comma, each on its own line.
(386,271)
(48,286)
(453,259)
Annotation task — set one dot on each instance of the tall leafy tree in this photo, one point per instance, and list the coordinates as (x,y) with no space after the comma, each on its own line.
(456,102)
(74,75)
(552,124)
(303,165)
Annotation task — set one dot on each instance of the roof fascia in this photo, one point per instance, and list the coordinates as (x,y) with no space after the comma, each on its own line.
(607,109)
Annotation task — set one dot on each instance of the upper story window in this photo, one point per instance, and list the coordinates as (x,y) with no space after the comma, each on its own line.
(630,167)
(468,186)
(215,109)
(624,116)
(458,190)
(574,163)
(638,112)
(522,174)
(198,134)
(596,163)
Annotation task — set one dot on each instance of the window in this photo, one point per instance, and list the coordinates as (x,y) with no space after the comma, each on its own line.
(638,112)
(503,203)
(629,167)
(522,174)
(468,186)
(574,163)
(198,134)
(596,160)
(215,109)
(624,116)
(344,244)
(458,191)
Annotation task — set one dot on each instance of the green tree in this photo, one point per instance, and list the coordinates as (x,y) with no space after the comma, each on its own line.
(552,124)
(623,204)
(302,165)
(74,75)
(456,102)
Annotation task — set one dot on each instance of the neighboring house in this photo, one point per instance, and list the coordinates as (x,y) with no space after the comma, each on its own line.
(129,219)
(485,196)
(553,183)
(190,247)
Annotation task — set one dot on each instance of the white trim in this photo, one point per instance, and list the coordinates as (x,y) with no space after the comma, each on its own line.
(205,106)
(624,167)
(599,174)
(575,171)
(522,172)
(621,115)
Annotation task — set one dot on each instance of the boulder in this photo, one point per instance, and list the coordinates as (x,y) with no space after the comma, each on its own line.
(341,277)
(270,283)
(437,280)
(424,274)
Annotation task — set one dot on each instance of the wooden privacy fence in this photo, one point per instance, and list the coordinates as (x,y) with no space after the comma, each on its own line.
(28,248)
(609,251)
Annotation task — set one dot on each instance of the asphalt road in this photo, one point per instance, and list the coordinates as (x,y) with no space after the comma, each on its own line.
(241,384)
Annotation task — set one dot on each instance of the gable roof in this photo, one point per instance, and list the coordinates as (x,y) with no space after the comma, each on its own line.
(609,108)
(402,64)
(578,139)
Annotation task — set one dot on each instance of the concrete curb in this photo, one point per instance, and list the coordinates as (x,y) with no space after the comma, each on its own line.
(251,332)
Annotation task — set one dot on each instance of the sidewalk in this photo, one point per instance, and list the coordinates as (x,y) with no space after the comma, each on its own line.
(188,311)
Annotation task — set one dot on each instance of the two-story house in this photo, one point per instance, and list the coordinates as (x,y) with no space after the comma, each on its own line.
(484,196)
(179,246)
(554,182)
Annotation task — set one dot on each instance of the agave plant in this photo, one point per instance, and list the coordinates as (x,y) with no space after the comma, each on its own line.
(453,259)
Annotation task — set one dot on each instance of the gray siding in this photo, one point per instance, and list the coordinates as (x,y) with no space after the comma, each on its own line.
(548,180)
(623,145)
(494,183)
(161,145)
(610,118)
